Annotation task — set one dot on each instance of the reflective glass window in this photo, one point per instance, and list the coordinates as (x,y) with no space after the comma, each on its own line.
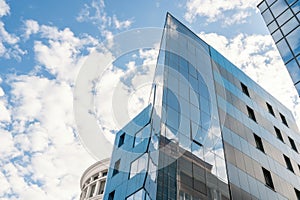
(290,25)
(139,165)
(284,50)
(278,7)
(141,135)
(116,167)
(284,17)
(293,70)
(294,40)
(267,16)
(277,35)
(262,6)
(290,1)
(296,7)
(272,27)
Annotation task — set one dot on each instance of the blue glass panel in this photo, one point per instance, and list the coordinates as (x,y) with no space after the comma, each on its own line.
(262,6)
(284,50)
(277,35)
(267,16)
(272,27)
(296,7)
(172,118)
(290,2)
(278,7)
(290,25)
(284,17)
(172,100)
(294,40)
(294,70)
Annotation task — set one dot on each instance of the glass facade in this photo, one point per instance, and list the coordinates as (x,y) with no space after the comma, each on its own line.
(208,132)
(283,21)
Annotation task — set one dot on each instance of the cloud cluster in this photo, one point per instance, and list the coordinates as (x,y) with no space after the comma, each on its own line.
(95,13)
(214,10)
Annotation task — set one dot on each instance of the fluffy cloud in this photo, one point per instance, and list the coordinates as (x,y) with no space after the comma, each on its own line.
(213,10)
(4,8)
(95,13)
(9,47)
(258,57)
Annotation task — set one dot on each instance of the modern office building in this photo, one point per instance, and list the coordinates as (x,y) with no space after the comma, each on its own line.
(282,18)
(209,132)
(92,182)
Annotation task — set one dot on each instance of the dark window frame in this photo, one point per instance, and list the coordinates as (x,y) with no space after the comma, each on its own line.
(251,113)
(297,193)
(259,143)
(268,178)
(245,89)
(288,163)
(283,119)
(111,195)
(293,144)
(278,134)
(270,109)
(121,139)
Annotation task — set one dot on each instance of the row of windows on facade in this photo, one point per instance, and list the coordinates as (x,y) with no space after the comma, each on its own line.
(251,115)
(91,190)
(95,177)
(259,143)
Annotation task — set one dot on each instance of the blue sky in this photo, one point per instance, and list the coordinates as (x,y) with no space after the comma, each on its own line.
(44,45)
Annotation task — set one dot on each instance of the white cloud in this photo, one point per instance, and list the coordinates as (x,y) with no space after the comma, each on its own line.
(95,13)
(121,24)
(239,17)
(31,27)
(4,8)
(258,57)
(214,10)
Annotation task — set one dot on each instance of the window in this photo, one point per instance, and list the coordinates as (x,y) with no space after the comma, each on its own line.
(270,109)
(141,135)
(288,163)
(297,193)
(121,140)
(101,187)
(116,167)
(278,133)
(268,178)
(245,89)
(283,119)
(293,145)
(95,177)
(139,165)
(111,195)
(258,142)
(104,173)
(93,187)
(251,113)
